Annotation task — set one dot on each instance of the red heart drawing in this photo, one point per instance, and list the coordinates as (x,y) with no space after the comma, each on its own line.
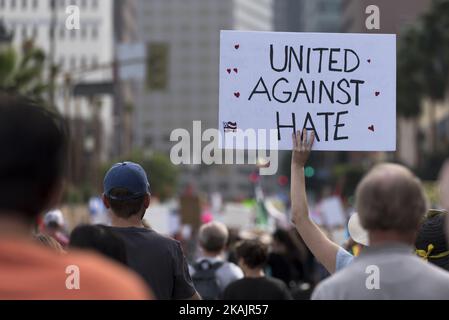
(229,71)
(371,128)
(237,46)
(236,70)
(237,94)
(369,60)
(377,93)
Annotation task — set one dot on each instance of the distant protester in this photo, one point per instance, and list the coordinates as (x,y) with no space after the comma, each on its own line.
(99,239)
(54,226)
(287,258)
(158,259)
(252,256)
(33,140)
(211,274)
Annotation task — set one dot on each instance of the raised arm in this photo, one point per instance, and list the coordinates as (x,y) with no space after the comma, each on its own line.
(324,250)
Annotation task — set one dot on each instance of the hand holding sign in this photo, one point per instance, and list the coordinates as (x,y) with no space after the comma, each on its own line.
(302,147)
(324,83)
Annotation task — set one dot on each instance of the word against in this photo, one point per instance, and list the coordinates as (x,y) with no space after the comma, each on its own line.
(372,22)
(72,21)
(72,281)
(341,87)
(189,148)
(372,282)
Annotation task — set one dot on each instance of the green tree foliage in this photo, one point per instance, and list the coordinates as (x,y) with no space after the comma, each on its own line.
(423,60)
(22,72)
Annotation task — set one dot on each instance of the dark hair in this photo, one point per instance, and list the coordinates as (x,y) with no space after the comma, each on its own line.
(253,252)
(100,239)
(125,208)
(432,232)
(33,144)
(213,236)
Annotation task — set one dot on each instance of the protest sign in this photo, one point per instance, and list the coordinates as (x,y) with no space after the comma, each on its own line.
(332,212)
(341,86)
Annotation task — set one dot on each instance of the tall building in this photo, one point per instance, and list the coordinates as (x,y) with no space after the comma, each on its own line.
(307,15)
(288,15)
(182,41)
(82,55)
(321,15)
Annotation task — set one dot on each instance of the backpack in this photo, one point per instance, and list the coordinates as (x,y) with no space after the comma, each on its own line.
(205,280)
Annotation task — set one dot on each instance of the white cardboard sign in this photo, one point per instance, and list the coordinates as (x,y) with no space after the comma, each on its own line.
(342,86)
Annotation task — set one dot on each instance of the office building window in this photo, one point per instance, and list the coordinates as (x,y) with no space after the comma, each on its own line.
(72,62)
(94,62)
(83,62)
(24,32)
(35,32)
(61,62)
(35,4)
(94,32)
(24,4)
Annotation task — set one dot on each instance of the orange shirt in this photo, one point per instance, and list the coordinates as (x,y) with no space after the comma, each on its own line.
(30,271)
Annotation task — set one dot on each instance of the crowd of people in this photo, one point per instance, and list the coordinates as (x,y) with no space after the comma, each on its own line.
(396,232)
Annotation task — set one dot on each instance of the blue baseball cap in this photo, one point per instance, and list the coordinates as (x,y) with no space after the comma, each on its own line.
(129,176)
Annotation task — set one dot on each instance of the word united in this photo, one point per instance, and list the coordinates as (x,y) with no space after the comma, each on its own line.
(295,85)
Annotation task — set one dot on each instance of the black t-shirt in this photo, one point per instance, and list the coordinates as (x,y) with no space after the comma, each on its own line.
(159,260)
(263,288)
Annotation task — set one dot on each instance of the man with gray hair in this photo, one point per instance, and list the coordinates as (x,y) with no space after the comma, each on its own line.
(211,274)
(391,204)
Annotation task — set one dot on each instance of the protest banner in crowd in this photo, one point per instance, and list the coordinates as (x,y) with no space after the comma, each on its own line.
(341,86)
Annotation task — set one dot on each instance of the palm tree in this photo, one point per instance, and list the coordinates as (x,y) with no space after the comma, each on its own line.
(423,65)
(22,73)
(434,45)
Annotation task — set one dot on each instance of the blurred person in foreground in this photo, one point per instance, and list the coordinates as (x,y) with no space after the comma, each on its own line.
(430,243)
(158,259)
(211,274)
(100,239)
(391,204)
(252,256)
(32,164)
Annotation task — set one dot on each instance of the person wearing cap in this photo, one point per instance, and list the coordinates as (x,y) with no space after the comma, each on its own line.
(158,259)
(32,171)
(53,226)
(391,204)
